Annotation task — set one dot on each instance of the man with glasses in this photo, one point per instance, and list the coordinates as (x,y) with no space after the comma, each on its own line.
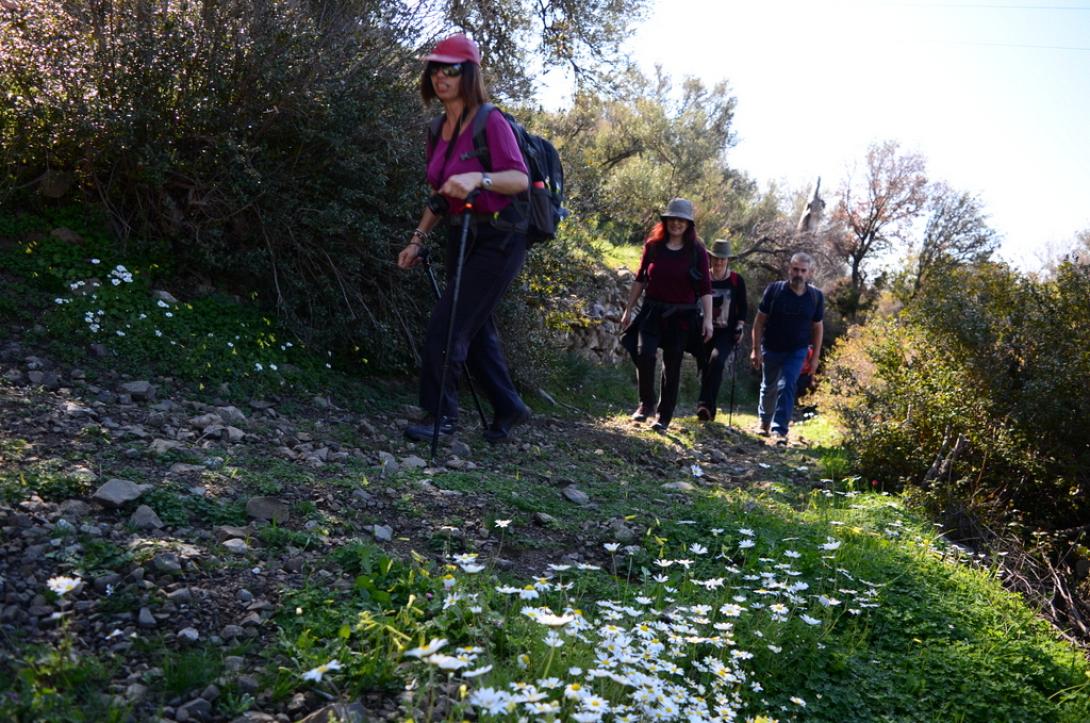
(789,321)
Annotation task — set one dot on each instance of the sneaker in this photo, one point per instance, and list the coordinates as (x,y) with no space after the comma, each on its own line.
(704,414)
(781,439)
(423,430)
(641,414)
(761,431)
(661,425)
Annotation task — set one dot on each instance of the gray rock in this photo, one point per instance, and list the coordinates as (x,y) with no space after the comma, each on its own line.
(226,532)
(140,390)
(162,446)
(136,692)
(679,487)
(145,519)
(234,434)
(576,495)
(189,635)
(74,509)
(183,468)
(231,415)
(244,596)
(230,632)
(620,532)
(182,595)
(117,492)
(237,546)
(145,619)
(389,464)
(460,449)
(77,410)
(167,562)
(234,663)
(382,533)
(248,683)
(544,519)
(268,508)
(165,296)
(413,462)
(196,709)
(205,420)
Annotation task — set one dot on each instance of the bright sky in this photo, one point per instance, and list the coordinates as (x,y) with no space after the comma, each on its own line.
(995,94)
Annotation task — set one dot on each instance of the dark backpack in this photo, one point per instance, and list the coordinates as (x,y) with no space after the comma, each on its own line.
(542,204)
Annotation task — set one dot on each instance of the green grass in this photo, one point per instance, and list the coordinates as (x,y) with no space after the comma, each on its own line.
(176,507)
(617,256)
(56,683)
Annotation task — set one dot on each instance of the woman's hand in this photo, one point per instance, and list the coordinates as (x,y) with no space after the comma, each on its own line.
(462,184)
(625,317)
(708,329)
(755,358)
(409,256)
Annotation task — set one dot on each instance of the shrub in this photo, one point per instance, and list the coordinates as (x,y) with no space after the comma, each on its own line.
(971,393)
(269,147)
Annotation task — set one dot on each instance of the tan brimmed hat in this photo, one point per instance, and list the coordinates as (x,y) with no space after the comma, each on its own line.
(721,249)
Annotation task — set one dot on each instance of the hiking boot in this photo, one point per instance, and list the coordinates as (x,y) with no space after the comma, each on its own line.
(781,439)
(423,430)
(761,430)
(661,425)
(641,414)
(704,414)
(500,431)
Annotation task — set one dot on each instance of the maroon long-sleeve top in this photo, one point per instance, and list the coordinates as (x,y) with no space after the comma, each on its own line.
(666,273)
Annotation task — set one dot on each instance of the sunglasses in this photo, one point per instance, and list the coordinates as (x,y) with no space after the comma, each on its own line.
(451,70)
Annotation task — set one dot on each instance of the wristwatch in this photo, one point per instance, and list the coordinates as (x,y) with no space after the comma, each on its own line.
(486,181)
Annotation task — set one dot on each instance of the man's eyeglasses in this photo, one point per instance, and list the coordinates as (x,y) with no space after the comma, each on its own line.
(451,70)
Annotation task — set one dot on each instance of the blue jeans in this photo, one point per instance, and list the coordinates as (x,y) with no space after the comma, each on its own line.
(779,379)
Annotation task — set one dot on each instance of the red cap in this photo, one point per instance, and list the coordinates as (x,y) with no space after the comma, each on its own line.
(455,49)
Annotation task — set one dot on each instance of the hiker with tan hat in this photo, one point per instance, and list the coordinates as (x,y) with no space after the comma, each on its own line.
(674,274)
(729,310)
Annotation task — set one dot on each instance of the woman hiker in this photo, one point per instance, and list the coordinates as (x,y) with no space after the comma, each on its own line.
(493,255)
(729,310)
(674,274)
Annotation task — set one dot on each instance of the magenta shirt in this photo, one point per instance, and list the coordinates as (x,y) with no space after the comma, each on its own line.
(505,157)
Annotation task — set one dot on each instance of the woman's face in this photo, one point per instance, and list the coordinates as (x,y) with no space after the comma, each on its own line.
(446,80)
(676,226)
(719,266)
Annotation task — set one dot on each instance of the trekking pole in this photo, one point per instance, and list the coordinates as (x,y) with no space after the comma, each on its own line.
(425,259)
(450,327)
(733,376)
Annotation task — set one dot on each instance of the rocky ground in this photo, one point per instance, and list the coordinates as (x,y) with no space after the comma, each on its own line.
(189,519)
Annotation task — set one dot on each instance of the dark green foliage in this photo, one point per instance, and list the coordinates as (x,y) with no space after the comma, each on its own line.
(274,149)
(976,392)
(265,142)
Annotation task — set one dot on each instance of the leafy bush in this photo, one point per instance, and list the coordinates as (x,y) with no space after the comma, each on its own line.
(975,394)
(271,147)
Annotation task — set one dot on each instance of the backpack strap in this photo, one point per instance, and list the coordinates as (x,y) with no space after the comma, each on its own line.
(480,136)
(811,291)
